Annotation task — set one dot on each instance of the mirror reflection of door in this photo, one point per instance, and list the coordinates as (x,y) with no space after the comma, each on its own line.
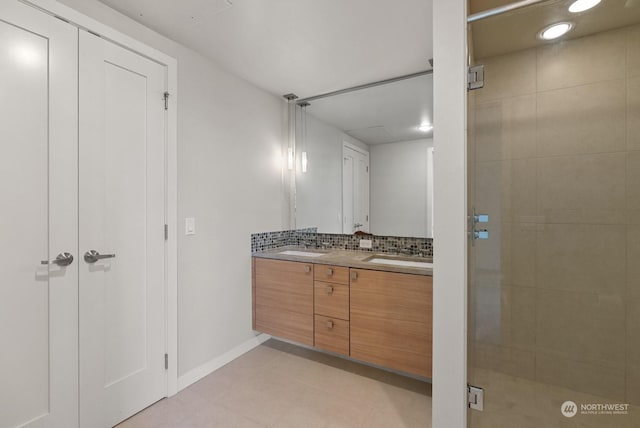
(384,122)
(355,189)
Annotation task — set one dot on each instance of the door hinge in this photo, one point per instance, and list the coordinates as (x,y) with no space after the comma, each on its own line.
(166,232)
(166,100)
(476,397)
(475,79)
(166,361)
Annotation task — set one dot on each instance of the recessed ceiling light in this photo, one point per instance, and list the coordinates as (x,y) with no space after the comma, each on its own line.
(425,127)
(556,30)
(582,5)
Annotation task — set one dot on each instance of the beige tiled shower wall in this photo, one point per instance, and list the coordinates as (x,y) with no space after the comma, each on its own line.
(557,138)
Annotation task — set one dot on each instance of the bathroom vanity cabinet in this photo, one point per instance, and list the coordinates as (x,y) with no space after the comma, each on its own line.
(383,318)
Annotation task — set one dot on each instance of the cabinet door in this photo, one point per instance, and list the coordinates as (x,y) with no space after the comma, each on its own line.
(391,320)
(284,299)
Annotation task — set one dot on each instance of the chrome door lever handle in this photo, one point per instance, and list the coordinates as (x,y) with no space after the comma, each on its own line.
(93,256)
(62,259)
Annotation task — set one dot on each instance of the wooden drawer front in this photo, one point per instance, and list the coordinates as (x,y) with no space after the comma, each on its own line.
(283,285)
(391,320)
(285,324)
(332,334)
(332,300)
(335,274)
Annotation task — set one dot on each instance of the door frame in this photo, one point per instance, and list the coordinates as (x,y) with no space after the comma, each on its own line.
(450,215)
(84,22)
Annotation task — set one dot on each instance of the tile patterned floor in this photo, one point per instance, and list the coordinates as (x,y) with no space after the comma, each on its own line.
(512,402)
(280,385)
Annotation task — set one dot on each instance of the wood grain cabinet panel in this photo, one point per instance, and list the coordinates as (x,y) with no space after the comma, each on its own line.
(332,334)
(391,320)
(328,273)
(284,299)
(332,300)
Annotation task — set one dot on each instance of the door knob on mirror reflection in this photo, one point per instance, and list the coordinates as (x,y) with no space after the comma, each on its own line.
(93,256)
(62,259)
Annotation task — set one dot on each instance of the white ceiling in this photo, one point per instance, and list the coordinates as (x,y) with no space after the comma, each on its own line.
(381,114)
(302,46)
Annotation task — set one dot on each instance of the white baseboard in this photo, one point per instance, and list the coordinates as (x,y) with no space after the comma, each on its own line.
(209,367)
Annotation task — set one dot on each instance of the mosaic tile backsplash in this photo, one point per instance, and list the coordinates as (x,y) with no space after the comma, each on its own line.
(312,239)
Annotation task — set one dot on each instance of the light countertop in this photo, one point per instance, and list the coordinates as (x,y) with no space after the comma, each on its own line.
(346,258)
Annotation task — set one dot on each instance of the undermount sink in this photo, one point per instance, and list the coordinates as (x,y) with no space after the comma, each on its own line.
(301,253)
(400,261)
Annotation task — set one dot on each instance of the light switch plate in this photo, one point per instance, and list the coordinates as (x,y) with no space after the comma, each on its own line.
(366,243)
(189,226)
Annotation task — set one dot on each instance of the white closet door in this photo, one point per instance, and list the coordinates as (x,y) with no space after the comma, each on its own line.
(348,193)
(361,216)
(355,190)
(122,213)
(38,219)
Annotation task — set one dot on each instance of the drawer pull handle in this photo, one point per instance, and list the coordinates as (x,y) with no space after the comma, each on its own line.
(329,325)
(307,269)
(354,275)
(329,272)
(329,290)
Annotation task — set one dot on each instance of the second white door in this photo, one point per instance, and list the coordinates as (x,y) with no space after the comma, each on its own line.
(121,232)
(355,190)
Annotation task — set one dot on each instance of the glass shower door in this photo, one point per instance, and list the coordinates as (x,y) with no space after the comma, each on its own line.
(554,161)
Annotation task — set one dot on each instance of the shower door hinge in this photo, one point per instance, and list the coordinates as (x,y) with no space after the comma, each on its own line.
(166,361)
(166,232)
(475,79)
(166,100)
(476,397)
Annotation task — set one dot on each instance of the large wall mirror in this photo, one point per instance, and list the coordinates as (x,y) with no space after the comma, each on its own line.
(364,160)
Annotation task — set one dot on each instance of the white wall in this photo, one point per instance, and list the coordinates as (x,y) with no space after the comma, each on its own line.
(319,190)
(230,137)
(450,221)
(400,202)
